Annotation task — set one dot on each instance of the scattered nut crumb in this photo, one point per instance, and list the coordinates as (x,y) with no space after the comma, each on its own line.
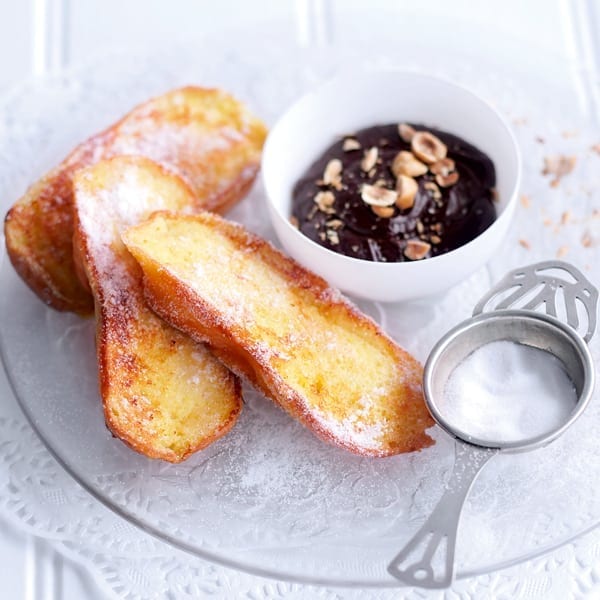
(587,241)
(562,251)
(294,222)
(416,249)
(569,134)
(377,196)
(406,132)
(525,201)
(435,239)
(420,226)
(351,144)
(333,237)
(596,148)
(558,165)
(370,159)
(335,224)
(525,244)
(565,217)
(495,195)
(427,147)
(547,222)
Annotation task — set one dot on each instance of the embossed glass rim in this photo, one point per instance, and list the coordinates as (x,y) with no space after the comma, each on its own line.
(212,556)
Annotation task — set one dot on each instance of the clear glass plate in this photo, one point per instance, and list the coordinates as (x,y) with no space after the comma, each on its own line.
(270,498)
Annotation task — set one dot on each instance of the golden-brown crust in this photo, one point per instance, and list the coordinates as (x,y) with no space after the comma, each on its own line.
(204,135)
(187,308)
(146,368)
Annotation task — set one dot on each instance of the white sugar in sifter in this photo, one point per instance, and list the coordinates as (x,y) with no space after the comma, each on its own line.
(428,558)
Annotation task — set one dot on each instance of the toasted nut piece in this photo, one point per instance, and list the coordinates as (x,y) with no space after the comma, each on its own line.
(435,239)
(444,167)
(324,201)
(294,222)
(405,163)
(370,159)
(434,189)
(416,249)
(333,173)
(407,189)
(559,165)
(373,195)
(406,132)
(447,180)
(525,244)
(428,147)
(385,212)
(351,144)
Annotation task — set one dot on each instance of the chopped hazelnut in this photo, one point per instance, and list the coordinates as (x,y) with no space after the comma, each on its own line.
(377,196)
(427,147)
(333,237)
(333,173)
(406,132)
(370,159)
(447,180)
(444,167)
(407,188)
(405,163)
(416,249)
(385,212)
(324,202)
(351,144)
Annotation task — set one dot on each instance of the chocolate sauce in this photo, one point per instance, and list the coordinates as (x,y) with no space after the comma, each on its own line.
(444,217)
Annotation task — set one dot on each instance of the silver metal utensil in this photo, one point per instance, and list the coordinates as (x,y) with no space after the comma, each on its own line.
(428,558)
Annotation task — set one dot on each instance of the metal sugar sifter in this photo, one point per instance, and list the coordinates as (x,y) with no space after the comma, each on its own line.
(427,560)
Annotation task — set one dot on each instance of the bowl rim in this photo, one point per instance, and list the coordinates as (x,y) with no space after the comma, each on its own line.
(505,215)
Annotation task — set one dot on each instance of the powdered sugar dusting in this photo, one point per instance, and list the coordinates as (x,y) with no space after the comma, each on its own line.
(354,430)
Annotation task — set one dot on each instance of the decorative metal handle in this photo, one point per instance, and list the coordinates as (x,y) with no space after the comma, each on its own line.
(416,564)
(545,283)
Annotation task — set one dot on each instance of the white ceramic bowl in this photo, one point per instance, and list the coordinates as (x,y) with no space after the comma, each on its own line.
(358,99)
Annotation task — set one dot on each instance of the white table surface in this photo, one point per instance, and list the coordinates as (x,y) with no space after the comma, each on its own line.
(41,36)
